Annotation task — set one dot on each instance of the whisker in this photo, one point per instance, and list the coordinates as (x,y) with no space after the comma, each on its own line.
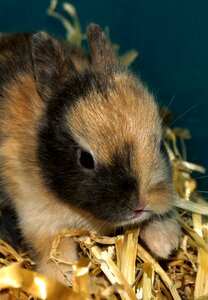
(185,213)
(82,219)
(185,112)
(200,177)
(103,224)
(85,220)
(203,191)
(160,218)
(169,104)
(114,231)
(165,126)
(172,99)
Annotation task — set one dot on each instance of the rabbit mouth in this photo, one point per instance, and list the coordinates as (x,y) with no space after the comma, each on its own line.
(136,217)
(138,213)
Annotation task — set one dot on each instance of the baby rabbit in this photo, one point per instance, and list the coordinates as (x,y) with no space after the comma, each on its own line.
(80,146)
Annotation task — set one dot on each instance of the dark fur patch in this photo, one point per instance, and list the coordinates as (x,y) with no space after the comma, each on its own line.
(104,191)
(9,229)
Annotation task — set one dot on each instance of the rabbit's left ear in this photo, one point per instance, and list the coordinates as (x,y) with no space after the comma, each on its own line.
(52,65)
(101,51)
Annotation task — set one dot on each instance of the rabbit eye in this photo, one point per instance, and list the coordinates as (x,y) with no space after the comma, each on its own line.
(86,160)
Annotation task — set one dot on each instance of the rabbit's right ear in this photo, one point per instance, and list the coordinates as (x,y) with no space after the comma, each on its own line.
(52,66)
(101,51)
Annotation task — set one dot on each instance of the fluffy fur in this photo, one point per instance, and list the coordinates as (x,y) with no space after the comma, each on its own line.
(55,102)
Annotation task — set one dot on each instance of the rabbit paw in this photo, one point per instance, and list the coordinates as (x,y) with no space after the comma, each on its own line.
(161,237)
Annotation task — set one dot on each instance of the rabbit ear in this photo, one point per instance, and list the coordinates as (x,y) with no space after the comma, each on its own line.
(52,66)
(101,51)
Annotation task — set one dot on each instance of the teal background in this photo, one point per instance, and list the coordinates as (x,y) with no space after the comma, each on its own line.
(172,40)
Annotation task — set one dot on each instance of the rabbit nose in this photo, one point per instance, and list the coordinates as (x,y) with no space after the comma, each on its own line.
(134,201)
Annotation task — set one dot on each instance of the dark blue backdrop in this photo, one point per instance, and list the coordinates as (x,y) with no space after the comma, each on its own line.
(172,40)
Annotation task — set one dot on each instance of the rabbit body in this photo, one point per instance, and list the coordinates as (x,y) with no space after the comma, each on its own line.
(80,146)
